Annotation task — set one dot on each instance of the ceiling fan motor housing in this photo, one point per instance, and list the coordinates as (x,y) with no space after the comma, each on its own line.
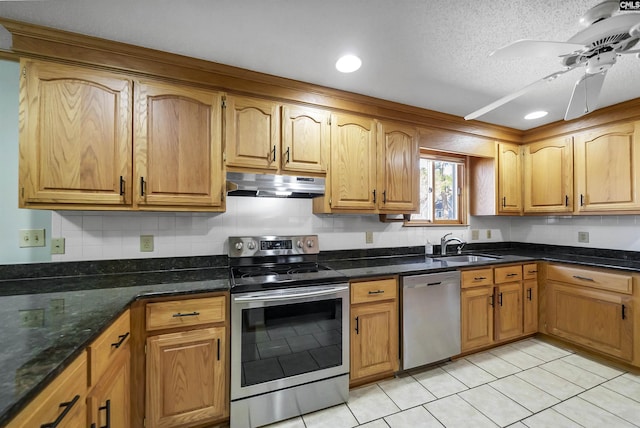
(601,62)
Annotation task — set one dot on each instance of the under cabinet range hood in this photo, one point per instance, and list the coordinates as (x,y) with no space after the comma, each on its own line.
(274,186)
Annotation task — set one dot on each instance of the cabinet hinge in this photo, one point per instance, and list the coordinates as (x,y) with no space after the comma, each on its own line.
(145,349)
(144,422)
(22,192)
(224,102)
(329,121)
(224,156)
(24,71)
(329,201)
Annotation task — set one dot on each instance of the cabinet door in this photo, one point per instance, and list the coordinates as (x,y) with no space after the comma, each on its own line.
(252,133)
(305,139)
(398,168)
(186,380)
(178,148)
(75,136)
(548,176)
(606,164)
(508,317)
(477,317)
(509,178)
(110,399)
(353,162)
(597,319)
(374,339)
(530,306)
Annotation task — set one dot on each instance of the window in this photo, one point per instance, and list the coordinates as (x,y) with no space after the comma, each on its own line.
(441,191)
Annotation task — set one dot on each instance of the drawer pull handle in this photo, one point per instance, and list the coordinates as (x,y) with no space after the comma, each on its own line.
(532,271)
(376,292)
(479,278)
(190,314)
(121,340)
(583,278)
(67,408)
(512,274)
(529,293)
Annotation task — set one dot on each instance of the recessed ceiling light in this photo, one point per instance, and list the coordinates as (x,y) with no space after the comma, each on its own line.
(536,115)
(348,63)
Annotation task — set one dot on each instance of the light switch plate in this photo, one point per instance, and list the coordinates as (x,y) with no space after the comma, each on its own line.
(368,237)
(57,245)
(146,243)
(32,238)
(475,234)
(583,237)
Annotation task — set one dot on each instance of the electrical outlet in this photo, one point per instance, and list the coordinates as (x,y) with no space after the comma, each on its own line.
(56,306)
(583,237)
(57,245)
(32,238)
(475,234)
(488,233)
(146,243)
(32,318)
(368,237)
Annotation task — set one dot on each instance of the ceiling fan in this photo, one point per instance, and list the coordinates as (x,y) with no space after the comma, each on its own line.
(596,48)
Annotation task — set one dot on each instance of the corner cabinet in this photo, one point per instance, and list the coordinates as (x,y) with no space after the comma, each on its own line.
(374,337)
(178,146)
(548,176)
(606,169)
(75,136)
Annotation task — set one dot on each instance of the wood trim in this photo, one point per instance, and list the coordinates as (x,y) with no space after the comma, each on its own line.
(9,56)
(37,41)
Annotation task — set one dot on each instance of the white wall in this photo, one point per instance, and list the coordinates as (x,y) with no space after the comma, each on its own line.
(13,219)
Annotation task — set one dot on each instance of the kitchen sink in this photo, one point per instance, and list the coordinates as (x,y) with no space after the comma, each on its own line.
(466,258)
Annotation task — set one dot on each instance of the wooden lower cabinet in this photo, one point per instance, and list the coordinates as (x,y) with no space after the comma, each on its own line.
(530,306)
(374,329)
(109,402)
(186,378)
(476,317)
(508,311)
(597,319)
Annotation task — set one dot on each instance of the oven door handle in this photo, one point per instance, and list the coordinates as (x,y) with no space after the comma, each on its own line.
(285,295)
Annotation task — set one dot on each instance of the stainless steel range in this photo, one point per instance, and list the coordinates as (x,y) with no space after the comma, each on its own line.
(289,330)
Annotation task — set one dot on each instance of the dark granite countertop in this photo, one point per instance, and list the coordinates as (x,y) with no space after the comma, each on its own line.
(31,357)
(95,294)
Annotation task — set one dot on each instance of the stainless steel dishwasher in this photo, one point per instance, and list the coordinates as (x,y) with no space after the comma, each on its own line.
(430,318)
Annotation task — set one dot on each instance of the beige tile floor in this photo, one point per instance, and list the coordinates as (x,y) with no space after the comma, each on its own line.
(529,383)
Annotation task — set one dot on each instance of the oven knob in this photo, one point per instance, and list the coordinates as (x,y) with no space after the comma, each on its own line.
(310,243)
(238,246)
(299,244)
(252,245)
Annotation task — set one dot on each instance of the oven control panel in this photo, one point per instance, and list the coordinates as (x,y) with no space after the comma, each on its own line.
(251,246)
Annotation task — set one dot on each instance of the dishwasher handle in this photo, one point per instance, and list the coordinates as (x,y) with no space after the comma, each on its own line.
(431,280)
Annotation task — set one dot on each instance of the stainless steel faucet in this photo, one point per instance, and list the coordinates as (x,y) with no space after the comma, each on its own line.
(444,242)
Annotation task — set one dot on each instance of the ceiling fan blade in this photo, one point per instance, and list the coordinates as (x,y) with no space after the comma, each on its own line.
(494,105)
(584,98)
(536,48)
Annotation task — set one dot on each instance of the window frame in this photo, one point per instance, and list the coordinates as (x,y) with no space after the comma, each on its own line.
(462,191)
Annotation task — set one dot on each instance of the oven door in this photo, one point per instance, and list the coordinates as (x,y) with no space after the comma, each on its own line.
(286,337)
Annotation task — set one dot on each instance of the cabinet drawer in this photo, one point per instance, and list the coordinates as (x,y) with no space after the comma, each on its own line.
(476,277)
(110,343)
(185,313)
(530,271)
(618,282)
(370,291)
(67,393)
(508,274)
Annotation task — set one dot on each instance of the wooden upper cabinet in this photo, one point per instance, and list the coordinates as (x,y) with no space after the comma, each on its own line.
(75,136)
(509,178)
(548,176)
(398,177)
(178,146)
(252,133)
(353,162)
(606,168)
(305,139)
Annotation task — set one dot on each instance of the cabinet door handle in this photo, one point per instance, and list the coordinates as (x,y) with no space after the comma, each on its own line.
(384,196)
(566,200)
(376,292)
(491,302)
(504,202)
(581,200)
(121,340)
(374,196)
(529,294)
(583,278)
(190,314)
(121,185)
(142,184)
(287,153)
(623,314)
(107,409)
(500,299)
(67,408)
(273,158)
(218,349)
(357,325)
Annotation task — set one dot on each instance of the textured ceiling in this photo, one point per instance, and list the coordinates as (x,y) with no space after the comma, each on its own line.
(426,53)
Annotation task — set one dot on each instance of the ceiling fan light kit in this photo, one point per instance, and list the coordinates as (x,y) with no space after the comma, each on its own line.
(596,48)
